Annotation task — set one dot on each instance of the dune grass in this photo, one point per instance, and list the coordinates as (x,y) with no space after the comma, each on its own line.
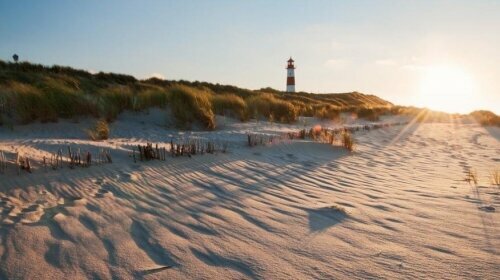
(231,105)
(326,112)
(471,176)
(347,141)
(495,177)
(100,131)
(34,92)
(486,118)
(267,106)
(337,208)
(189,105)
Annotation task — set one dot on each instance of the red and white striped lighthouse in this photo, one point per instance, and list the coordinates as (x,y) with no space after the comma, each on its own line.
(290,76)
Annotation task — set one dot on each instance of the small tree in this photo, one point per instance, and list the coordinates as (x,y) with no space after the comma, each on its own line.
(16,58)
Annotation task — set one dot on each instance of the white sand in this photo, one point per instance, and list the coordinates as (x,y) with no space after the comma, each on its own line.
(259,212)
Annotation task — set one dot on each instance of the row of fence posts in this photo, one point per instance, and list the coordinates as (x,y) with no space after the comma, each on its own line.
(188,148)
(254,139)
(55,160)
(322,134)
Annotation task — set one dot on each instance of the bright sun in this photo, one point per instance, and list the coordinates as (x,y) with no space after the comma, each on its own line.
(448,89)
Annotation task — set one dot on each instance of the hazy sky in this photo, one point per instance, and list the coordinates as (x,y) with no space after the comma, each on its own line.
(379,47)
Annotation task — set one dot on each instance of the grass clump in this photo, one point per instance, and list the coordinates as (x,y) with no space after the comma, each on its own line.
(337,208)
(230,104)
(100,131)
(347,141)
(471,176)
(495,177)
(189,105)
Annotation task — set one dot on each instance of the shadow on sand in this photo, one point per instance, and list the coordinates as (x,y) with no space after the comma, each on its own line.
(321,219)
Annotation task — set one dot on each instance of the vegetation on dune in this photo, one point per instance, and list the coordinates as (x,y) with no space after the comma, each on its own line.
(495,177)
(189,105)
(230,104)
(486,118)
(33,92)
(267,106)
(100,131)
(347,141)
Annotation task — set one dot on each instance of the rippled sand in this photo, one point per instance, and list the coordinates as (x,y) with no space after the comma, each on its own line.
(398,207)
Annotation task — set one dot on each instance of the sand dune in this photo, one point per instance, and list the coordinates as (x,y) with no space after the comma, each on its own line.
(294,210)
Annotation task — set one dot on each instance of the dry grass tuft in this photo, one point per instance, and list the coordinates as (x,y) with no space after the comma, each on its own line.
(495,177)
(471,176)
(100,131)
(347,141)
(337,208)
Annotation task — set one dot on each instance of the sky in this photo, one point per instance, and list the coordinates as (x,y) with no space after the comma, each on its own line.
(401,51)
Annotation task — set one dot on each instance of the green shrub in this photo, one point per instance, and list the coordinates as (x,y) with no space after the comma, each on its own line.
(230,103)
(189,105)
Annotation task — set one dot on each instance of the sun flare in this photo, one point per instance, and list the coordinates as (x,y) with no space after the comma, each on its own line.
(448,89)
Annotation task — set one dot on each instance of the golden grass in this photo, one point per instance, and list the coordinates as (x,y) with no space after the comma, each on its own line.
(338,209)
(231,104)
(271,108)
(189,105)
(35,92)
(347,141)
(495,177)
(471,176)
(100,131)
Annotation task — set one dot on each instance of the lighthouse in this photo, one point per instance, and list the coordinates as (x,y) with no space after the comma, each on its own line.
(290,76)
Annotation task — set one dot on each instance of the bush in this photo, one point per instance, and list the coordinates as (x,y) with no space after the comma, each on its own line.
(230,103)
(189,105)
(100,131)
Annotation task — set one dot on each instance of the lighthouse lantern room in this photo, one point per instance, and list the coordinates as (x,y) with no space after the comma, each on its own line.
(290,76)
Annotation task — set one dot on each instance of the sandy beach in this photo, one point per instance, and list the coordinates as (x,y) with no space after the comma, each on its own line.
(397,207)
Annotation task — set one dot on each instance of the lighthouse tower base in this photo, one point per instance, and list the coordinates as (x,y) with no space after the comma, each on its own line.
(290,88)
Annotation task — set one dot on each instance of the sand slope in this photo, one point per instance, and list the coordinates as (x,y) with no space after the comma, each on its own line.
(260,212)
